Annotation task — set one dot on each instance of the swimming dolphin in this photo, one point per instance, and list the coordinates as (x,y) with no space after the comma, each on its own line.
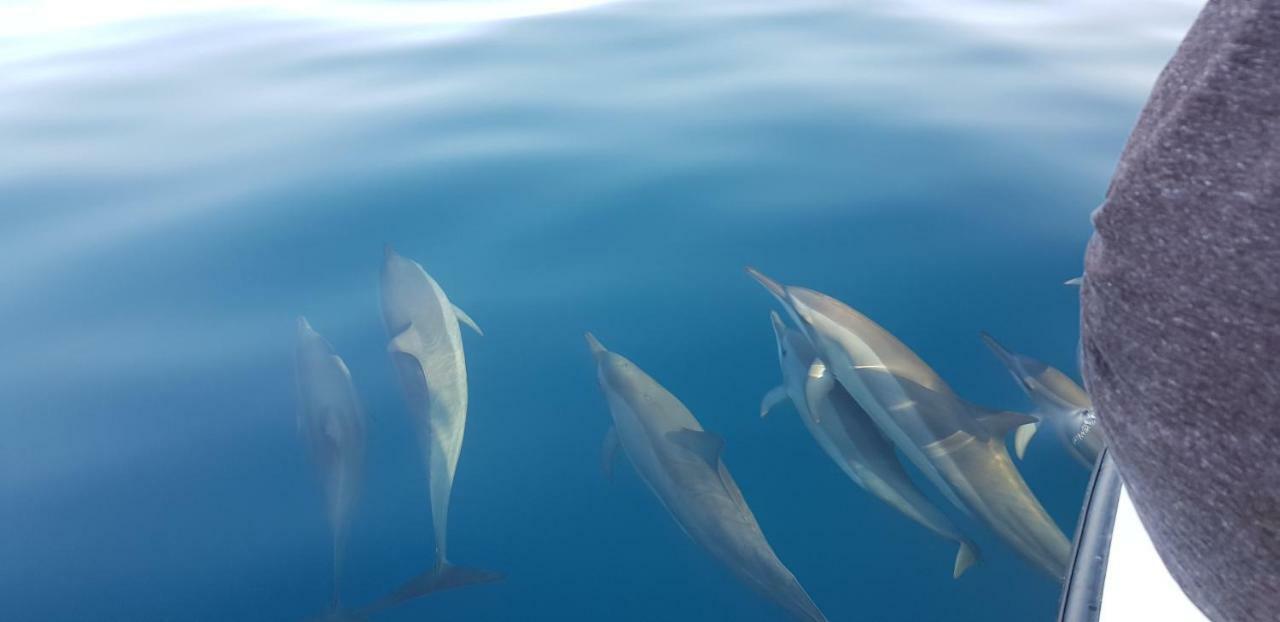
(1059,400)
(680,462)
(333,423)
(850,438)
(426,347)
(959,446)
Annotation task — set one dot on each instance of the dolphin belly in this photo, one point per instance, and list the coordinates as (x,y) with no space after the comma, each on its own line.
(426,348)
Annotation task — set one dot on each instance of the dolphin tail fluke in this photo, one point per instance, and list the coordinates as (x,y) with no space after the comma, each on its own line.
(967,556)
(1022,438)
(445,576)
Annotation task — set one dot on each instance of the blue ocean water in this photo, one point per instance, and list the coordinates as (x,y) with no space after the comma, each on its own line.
(178,185)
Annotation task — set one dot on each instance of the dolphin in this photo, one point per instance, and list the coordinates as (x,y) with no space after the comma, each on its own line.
(333,423)
(959,446)
(426,348)
(681,463)
(1058,400)
(850,438)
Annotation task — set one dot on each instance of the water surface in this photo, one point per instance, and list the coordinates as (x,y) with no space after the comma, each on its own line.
(178,185)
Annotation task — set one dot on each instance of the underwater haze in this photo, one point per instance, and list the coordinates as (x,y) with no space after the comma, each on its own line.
(179,183)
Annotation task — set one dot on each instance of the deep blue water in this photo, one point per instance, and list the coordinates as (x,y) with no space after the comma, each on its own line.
(175,189)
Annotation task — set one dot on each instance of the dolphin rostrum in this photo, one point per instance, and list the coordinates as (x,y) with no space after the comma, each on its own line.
(426,348)
(1058,400)
(333,423)
(850,438)
(681,464)
(958,446)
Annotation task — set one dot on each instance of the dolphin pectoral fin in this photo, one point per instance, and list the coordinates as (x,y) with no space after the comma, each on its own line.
(609,453)
(817,389)
(466,319)
(444,576)
(1077,281)
(818,386)
(967,556)
(774,397)
(341,365)
(1022,438)
(704,444)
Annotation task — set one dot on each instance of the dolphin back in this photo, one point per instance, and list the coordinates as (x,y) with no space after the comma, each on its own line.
(682,464)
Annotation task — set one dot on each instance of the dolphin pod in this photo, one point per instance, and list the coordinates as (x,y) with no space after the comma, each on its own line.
(426,348)
(958,446)
(681,463)
(333,423)
(1058,400)
(850,438)
(862,394)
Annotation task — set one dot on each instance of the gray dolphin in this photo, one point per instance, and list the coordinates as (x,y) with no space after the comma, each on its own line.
(426,347)
(1059,400)
(333,423)
(850,438)
(680,462)
(959,446)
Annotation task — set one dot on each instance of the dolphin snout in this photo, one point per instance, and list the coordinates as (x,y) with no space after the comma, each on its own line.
(773,286)
(304,327)
(779,327)
(596,347)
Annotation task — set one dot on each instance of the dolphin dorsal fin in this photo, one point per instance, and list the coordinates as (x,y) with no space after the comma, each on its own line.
(967,556)
(771,399)
(1000,422)
(704,444)
(609,452)
(1022,438)
(466,319)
